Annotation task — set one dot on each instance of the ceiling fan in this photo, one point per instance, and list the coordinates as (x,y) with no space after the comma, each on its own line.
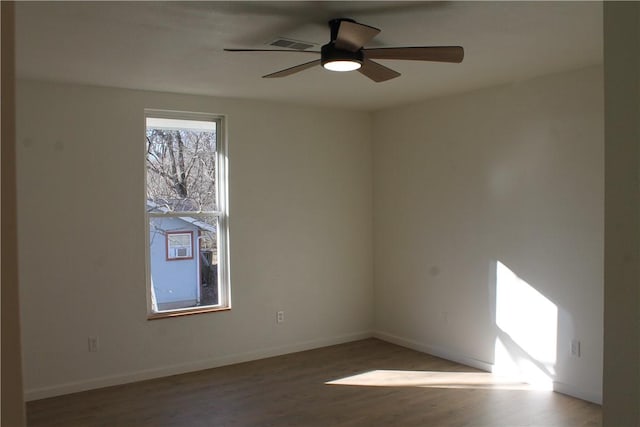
(346,52)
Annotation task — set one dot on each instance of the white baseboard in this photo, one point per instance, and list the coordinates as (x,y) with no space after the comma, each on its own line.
(434,351)
(559,387)
(147,374)
(572,391)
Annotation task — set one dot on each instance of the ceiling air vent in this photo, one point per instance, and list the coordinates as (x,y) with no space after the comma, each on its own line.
(291,44)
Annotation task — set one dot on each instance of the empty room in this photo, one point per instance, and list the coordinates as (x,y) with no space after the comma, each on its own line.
(321,214)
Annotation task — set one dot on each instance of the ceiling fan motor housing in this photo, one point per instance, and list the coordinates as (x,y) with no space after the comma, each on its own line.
(330,53)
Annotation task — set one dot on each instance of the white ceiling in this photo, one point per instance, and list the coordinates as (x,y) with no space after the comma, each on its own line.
(178,46)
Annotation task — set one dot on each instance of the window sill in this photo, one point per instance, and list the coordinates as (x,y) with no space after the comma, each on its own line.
(185,312)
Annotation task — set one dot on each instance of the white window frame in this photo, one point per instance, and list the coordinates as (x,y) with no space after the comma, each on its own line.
(222,215)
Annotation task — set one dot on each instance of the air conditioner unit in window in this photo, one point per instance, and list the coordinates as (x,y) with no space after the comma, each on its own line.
(181,252)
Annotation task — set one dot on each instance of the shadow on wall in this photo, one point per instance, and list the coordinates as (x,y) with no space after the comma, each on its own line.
(526,329)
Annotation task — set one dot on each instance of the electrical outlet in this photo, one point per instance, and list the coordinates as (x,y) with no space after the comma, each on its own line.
(575,348)
(280,317)
(93,344)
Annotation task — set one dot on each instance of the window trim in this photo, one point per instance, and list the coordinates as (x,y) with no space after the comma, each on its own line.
(222,214)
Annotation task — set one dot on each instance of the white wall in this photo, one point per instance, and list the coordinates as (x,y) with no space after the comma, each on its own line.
(511,174)
(12,409)
(622,212)
(300,205)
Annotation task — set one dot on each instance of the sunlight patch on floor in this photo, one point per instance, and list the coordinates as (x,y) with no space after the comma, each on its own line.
(433,379)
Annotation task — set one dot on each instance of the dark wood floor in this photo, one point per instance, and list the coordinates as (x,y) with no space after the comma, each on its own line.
(403,388)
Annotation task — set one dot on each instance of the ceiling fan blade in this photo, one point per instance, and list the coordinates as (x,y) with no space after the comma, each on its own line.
(377,72)
(292,70)
(352,36)
(424,53)
(271,50)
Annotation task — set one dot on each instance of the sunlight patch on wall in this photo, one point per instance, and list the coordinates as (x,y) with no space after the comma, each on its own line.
(527,324)
(433,379)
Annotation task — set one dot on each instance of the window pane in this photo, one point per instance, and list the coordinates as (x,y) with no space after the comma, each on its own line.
(183,261)
(181,165)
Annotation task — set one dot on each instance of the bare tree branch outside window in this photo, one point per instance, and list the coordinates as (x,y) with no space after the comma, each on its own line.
(181,166)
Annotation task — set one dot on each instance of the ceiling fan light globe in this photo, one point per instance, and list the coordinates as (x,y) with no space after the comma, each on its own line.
(342,65)
(335,59)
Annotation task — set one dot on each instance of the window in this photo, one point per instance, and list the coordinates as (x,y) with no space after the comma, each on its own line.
(179,245)
(186,187)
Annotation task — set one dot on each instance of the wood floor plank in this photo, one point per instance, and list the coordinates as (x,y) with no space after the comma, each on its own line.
(403,388)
